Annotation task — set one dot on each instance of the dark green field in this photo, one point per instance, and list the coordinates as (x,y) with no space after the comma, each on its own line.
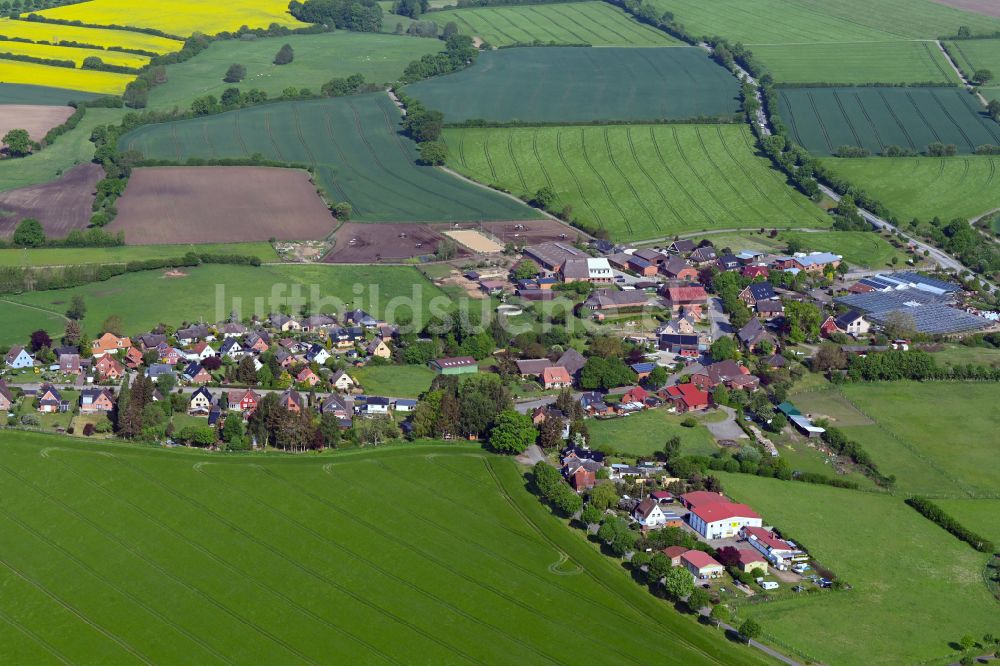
(356,150)
(823,119)
(16,93)
(580,84)
(118,554)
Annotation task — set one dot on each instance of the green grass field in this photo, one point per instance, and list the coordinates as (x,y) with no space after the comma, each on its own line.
(595,23)
(859,248)
(398,381)
(925,187)
(120,554)
(645,433)
(895,560)
(973,54)
(954,354)
(982,516)
(145,299)
(354,145)
(20,321)
(810,21)
(823,119)
(853,64)
(19,93)
(318,58)
(638,181)
(579,84)
(68,150)
(110,255)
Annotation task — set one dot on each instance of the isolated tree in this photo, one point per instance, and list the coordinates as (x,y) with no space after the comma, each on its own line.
(40,339)
(697,600)
(77,308)
(544,198)
(982,76)
(830,356)
(29,233)
(750,629)
(719,614)
(512,433)
(18,142)
(113,324)
(450,28)
(284,55)
(73,333)
(246,371)
(342,210)
(235,73)
(591,515)
(550,432)
(658,377)
(993,108)
(92,62)
(433,153)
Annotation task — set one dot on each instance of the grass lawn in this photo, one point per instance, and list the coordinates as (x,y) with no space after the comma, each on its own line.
(318,58)
(398,381)
(211,292)
(79,422)
(54,420)
(925,187)
(465,572)
(639,182)
(68,150)
(113,255)
(646,432)
(961,355)
(859,248)
(895,560)
(595,23)
(856,64)
(19,322)
(980,515)
(803,456)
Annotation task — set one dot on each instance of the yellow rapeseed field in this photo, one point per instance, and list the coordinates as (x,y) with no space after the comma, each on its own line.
(47,51)
(179,17)
(105,83)
(50,32)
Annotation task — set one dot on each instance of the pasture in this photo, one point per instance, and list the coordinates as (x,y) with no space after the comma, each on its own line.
(982,516)
(811,21)
(856,64)
(859,248)
(58,256)
(374,242)
(212,291)
(220,205)
(61,205)
(318,58)
(398,381)
(86,80)
(319,577)
(973,54)
(579,84)
(354,147)
(894,559)
(925,187)
(184,18)
(75,54)
(20,321)
(36,119)
(638,182)
(54,33)
(823,119)
(593,22)
(645,433)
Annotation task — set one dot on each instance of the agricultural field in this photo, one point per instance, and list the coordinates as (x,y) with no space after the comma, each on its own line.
(917,565)
(578,84)
(87,80)
(220,205)
(354,146)
(318,58)
(857,64)
(19,321)
(36,119)
(645,433)
(973,54)
(183,19)
(59,256)
(211,292)
(54,33)
(473,552)
(368,242)
(594,23)
(70,149)
(17,93)
(398,381)
(74,54)
(811,21)
(61,205)
(823,119)
(925,187)
(644,181)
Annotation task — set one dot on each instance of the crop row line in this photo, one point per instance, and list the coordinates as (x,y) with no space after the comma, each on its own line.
(628,181)
(819,119)
(781,181)
(935,57)
(652,181)
(298,132)
(989,125)
(534,149)
(899,123)
(207,139)
(840,105)
(576,180)
(604,184)
(489,158)
(871,123)
(555,10)
(236,129)
(670,172)
(494,28)
(923,118)
(791,117)
(328,121)
(267,128)
(947,113)
(543,19)
(722,177)
(35,638)
(517,167)
(746,173)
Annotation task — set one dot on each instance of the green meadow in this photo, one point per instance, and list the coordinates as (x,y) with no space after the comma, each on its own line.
(113,255)
(645,433)
(399,381)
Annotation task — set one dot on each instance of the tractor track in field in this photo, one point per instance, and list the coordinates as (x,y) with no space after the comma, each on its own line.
(937,62)
(711,193)
(604,184)
(207,139)
(579,188)
(652,181)
(538,157)
(951,118)
(328,121)
(224,563)
(743,169)
(791,118)
(554,37)
(236,129)
(628,181)
(513,159)
(35,638)
(819,119)
(988,124)
(494,28)
(780,180)
(302,139)
(871,123)
(923,118)
(722,177)
(840,105)
(899,123)
(489,158)
(673,177)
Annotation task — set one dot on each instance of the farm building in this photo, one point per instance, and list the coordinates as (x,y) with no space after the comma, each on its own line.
(553,255)
(779,552)
(701,564)
(930,311)
(722,519)
(610,299)
(459,365)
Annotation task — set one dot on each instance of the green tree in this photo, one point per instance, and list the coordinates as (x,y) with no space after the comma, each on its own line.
(678,582)
(724,348)
(803,320)
(235,73)
(342,210)
(591,515)
(234,434)
(113,324)
(658,377)
(77,308)
(433,153)
(329,429)
(544,198)
(246,371)
(720,613)
(603,496)
(550,433)
(605,373)
(659,567)
(993,108)
(982,76)
(697,600)
(18,142)
(750,629)
(376,430)
(512,433)
(284,55)
(29,233)
(525,270)
(968,642)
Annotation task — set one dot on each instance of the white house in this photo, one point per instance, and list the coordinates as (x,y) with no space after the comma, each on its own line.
(599,270)
(722,519)
(317,354)
(18,357)
(780,553)
(233,349)
(649,513)
(201,402)
(200,352)
(342,381)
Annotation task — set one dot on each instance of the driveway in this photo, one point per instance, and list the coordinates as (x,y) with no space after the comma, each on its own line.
(718,319)
(727,429)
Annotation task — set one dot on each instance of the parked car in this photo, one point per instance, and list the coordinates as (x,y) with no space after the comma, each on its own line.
(800,568)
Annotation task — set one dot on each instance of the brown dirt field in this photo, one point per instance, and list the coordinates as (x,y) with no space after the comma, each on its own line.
(527,232)
(38,120)
(359,243)
(167,205)
(987,7)
(61,205)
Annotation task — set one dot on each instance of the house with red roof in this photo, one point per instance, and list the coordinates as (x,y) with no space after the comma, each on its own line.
(635,394)
(582,479)
(689,298)
(755,271)
(674,553)
(780,553)
(556,377)
(687,398)
(728,373)
(109,343)
(307,376)
(701,564)
(132,358)
(722,520)
(107,367)
(701,497)
(244,400)
(745,559)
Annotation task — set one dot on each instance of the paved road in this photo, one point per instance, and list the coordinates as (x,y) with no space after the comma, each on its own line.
(755,644)
(718,319)
(727,429)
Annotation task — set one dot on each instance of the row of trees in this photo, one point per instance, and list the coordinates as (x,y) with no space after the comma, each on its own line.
(356,15)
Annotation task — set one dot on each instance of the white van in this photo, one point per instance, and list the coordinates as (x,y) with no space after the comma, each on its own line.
(769,585)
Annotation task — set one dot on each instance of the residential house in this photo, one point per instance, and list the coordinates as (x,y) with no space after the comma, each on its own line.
(342,381)
(690,299)
(6,397)
(780,553)
(687,398)
(676,268)
(753,334)
(292,400)
(372,405)
(284,323)
(769,310)
(132,358)
(404,405)
(255,342)
(459,365)
(756,292)
(681,246)
(674,553)
(728,262)
(610,299)
(755,271)
(317,323)
(829,327)
(242,400)
(108,368)
(196,374)
(702,256)
(317,354)
(69,364)
(307,376)
(683,344)
(556,377)
(50,401)
(679,326)
(170,355)
(701,565)
(582,478)
(722,519)
(157,370)
(643,370)
(334,404)
(745,559)
(96,401)
(593,403)
(539,414)
(200,403)
(654,257)
(649,514)
(532,367)
(572,360)
(815,262)
(233,330)
(378,347)
(853,323)
(151,341)
(642,267)
(232,349)
(192,334)
(109,343)
(635,395)
(729,373)
(360,318)
(201,351)
(18,357)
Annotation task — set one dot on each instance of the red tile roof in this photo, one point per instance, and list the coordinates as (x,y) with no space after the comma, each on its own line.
(556,373)
(674,551)
(768,538)
(700,497)
(692,293)
(713,512)
(700,559)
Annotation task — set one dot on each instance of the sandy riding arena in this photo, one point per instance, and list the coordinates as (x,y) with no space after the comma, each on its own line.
(475,241)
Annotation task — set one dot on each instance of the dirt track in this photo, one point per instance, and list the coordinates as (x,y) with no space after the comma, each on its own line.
(61,205)
(220,205)
(38,120)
